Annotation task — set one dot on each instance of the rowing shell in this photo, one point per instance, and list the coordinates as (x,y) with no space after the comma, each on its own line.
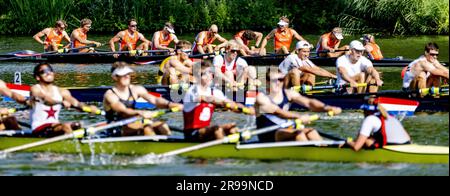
(346,102)
(88,58)
(400,153)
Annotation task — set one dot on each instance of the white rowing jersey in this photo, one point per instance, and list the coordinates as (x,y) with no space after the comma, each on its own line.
(410,75)
(394,131)
(237,65)
(42,114)
(292,61)
(353,69)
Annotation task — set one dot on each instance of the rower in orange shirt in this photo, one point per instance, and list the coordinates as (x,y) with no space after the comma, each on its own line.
(128,39)
(329,43)
(244,37)
(79,37)
(372,48)
(204,41)
(53,36)
(162,39)
(283,36)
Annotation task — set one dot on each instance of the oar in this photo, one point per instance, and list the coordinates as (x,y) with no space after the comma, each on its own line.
(306,88)
(232,138)
(75,134)
(433,91)
(64,50)
(328,51)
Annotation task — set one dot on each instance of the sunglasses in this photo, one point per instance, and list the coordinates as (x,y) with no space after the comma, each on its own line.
(434,54)
(45,71)
(188,52)
(234,51)
(133,25)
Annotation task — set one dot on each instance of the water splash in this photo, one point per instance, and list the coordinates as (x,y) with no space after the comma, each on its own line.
(153,159)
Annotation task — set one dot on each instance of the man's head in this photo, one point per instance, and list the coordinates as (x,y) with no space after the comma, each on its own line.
(183,47)
(303,49)
(232,49)
(132,25)
(86,24)
(43,72)
(283,23)
(337,33)
(61,25)
(368,38)
(120,72)
(356,50)
(214,29)
(169,28)
(431,52)
(249,35)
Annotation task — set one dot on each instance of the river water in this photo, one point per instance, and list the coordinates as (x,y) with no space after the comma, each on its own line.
(425,128)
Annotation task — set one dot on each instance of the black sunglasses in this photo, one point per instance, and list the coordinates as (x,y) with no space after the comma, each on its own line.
(434,54)
(45,71)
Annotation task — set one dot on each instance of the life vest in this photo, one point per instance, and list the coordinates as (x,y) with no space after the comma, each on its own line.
(283,39)
(376,52)
(163,42)
(200,116)
(53,37)
(82,35)
(241,35)
(129,39)
(224,67)
(331,43)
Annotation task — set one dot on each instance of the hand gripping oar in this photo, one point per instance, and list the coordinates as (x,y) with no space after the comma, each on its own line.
(235,137)
(75,134)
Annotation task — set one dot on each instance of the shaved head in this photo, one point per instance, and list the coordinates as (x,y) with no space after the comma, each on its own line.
(214,28)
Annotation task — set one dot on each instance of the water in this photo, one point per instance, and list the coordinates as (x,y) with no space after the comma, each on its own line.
(424,128)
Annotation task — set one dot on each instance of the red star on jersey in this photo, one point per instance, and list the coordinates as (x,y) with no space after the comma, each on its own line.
(51,112)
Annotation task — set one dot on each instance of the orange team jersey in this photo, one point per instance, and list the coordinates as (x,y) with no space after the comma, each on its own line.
(54,37)
(163,42)
(376,52)
(330,42)
(241,35)
(82,35)
(207,40)
(283,39)
(129,39)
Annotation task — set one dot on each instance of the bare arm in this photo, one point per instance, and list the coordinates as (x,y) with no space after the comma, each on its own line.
(159,102)
(259,37)
(115,39)
(317,71)
(180,66)
(67,38)
(38,36)
(9,93)
(268,37)
(143,39)
(325,45)
(199,44)
(346,77)
(118,106)
(264,105)
(220,38)
(374,73)
(312,104)
(359,142)
(297,36)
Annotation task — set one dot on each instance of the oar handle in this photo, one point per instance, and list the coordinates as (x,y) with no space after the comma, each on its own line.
(89,110)
(433,91)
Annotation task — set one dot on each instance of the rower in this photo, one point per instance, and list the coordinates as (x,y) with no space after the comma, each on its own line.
(79,37)
(177,69)
(273,109)
(47,101)
(378,129)
(199,103)
(328,44)
(128,40)
(204,41)
(53,36)
(120,103)
(162,39)
(7,121)
(372,48)
(425,71)
(234,70)
(243,38)
(299,69)
(354,68)
(283,36)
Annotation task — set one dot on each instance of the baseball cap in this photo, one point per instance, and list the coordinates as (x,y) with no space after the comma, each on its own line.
(357,45)
(282,23)
(337,31)
(122,71)
(169,27)
(302,45)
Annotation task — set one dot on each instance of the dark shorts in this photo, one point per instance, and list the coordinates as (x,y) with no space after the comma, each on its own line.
(45,130)
(192,135)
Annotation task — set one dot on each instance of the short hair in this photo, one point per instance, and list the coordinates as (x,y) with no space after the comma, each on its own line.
(85,22)
(38,67)
(431,46)
(168,24)
(183,44)
(285,19)
(132,20)
(118,64)
(59,23)
(249,35)
(205,64)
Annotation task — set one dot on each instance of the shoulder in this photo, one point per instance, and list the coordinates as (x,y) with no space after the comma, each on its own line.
(138,89)
(342,60)
(241,61)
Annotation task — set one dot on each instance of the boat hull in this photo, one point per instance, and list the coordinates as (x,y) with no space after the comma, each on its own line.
(308,153)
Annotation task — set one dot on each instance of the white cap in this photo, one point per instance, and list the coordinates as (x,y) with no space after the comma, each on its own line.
(357,45)
(170,30)
(282,23)
(337,31)
(122,71)
(302,45)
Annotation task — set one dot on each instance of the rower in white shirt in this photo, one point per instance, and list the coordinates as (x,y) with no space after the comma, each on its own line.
(355,68)
(299,69)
